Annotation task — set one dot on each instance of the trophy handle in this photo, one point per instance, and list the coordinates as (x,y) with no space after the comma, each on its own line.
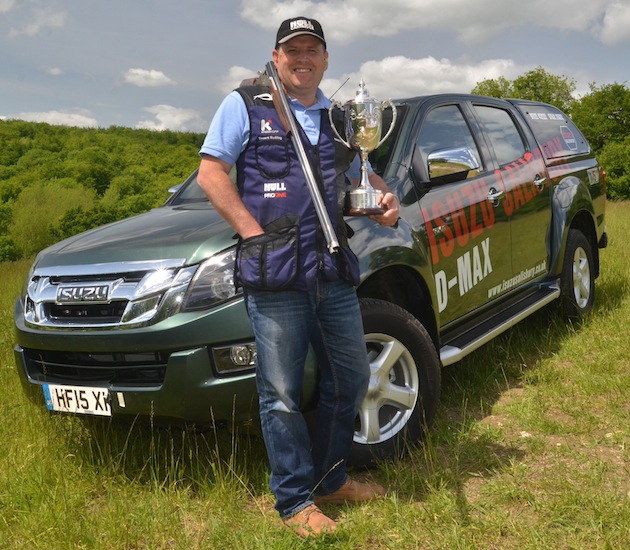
(339,105)
(384,105)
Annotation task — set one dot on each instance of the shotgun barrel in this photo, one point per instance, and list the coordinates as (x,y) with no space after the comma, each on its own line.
(282,106)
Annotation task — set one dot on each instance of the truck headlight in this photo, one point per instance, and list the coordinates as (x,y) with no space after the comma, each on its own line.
(213,282)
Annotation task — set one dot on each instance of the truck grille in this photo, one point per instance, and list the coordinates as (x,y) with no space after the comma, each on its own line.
(106,295)
(102,313)
(129,369)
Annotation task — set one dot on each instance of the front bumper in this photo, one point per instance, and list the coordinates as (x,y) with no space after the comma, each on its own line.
(162,371)
(190,391)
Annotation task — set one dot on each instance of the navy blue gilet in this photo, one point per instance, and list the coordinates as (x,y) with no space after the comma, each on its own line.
(272,185)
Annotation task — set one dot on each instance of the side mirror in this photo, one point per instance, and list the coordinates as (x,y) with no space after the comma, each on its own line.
(452,164)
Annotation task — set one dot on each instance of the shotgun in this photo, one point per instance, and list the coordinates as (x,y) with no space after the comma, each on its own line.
(290,125)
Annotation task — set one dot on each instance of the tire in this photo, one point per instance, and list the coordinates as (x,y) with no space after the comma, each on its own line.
(577,282)
(404,389)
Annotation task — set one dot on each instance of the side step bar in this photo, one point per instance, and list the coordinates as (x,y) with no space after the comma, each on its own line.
(451,353)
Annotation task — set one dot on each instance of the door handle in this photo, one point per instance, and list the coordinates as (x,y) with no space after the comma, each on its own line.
(495,196)
(539,182)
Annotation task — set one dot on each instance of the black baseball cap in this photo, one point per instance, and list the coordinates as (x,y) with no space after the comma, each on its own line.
(296,26)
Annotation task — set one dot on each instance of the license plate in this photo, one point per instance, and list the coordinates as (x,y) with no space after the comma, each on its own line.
(77,399)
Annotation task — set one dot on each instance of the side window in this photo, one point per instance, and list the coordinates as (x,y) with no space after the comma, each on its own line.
(503,133)
(445,128)
(555,133)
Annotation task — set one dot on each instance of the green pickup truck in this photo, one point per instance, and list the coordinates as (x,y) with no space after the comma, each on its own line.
(502,213)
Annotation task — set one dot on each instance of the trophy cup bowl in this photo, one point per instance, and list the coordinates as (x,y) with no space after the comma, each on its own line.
(363,122)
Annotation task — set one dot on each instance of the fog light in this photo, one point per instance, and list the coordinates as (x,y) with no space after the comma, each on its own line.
(235,358)
(243,356)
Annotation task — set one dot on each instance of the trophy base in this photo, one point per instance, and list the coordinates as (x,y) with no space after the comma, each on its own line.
(363,202)
(363,211)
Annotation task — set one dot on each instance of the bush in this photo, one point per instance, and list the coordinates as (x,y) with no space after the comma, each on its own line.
(615,158)
(79,219)
(8,250)
(37,209)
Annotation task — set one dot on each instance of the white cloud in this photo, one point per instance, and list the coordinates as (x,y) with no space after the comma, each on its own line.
(472,22)
(54,71)
(233,78)
(147,78)
(616,25)
(7,5)
(80,119)
(401,76)
(174,118)
(44,19)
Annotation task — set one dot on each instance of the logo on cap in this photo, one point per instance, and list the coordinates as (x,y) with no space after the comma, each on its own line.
(302,24)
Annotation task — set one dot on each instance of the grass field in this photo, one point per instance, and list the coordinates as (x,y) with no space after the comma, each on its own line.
(530,450)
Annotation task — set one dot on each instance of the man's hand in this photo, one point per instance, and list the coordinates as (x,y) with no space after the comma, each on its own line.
(392,210)
(388,202)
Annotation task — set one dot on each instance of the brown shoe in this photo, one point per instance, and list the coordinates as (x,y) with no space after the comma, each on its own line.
(310,522)
(352,491)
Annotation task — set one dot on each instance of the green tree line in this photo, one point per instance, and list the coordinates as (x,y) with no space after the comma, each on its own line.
(56,181)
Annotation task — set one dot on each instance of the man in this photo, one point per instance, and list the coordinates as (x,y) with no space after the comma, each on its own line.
(297,293)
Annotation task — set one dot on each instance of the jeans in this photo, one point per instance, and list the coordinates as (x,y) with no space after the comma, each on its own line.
(328,317)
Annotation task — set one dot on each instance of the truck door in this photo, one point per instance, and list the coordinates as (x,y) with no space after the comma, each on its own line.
(467,228)
(527,192)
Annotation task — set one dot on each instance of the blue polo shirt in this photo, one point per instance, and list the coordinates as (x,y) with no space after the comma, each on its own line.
(228,134)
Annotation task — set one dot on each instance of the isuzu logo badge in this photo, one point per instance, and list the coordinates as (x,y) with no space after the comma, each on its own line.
(85,293)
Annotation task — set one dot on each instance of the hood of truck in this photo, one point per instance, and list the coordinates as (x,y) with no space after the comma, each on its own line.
(188,233)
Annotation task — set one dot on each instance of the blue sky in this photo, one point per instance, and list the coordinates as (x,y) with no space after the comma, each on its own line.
(165,64)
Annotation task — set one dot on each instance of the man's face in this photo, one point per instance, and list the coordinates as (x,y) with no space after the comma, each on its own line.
(301,63)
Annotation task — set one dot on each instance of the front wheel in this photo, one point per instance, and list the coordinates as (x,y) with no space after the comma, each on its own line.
(577,281)
(404,388)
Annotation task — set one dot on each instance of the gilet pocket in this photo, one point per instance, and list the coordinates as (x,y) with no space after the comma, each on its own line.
(272,158)
(270,261)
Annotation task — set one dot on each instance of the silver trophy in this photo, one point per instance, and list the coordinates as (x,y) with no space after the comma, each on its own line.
(363,121)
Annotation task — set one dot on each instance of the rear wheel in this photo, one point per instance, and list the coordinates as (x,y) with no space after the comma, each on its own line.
(404,387)
(577,280)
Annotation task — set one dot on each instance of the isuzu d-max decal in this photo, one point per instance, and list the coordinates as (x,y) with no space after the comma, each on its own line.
(472,268)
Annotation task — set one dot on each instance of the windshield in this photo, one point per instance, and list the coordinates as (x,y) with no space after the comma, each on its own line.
(188,192)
